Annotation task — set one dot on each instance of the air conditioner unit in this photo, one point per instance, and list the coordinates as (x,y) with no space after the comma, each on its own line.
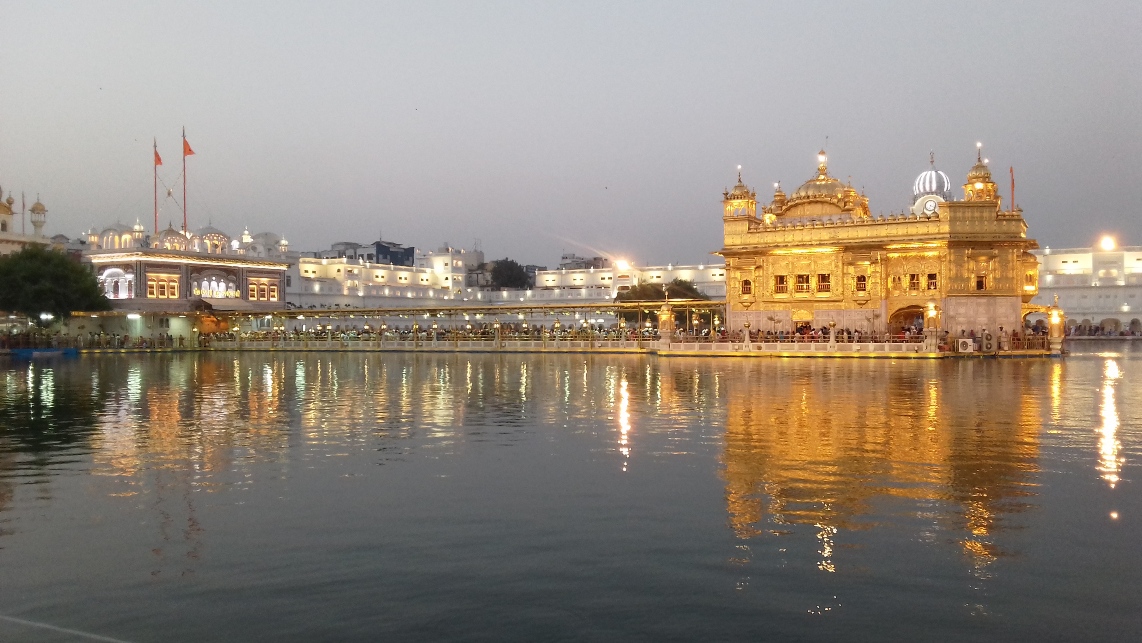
(965,346)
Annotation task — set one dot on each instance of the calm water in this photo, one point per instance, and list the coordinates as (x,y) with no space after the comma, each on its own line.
(302,497)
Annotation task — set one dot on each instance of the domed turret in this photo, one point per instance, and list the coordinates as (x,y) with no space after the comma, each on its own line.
(741,201)
(171,239)
(932,182)
(979,186)
(38,217)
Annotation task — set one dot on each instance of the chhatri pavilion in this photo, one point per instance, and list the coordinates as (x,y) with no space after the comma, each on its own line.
(818,256)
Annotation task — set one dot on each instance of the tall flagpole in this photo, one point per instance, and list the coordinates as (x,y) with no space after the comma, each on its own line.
(23,227)
(1012,170)
(155,163)
(184,179)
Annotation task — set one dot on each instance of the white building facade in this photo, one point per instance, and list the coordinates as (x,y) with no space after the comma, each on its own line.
(1099,288)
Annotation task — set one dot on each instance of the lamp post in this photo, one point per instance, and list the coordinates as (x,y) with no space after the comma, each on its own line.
(1056,327)
(434,328)
(623,331)
(556,329)
(496,326)
(748,344)
(932,327)
(415,334)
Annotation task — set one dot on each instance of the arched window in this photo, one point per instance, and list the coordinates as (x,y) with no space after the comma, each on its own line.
(747,287)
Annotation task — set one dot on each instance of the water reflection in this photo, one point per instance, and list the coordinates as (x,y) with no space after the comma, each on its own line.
(810,451)
(1108,445)
(827,444)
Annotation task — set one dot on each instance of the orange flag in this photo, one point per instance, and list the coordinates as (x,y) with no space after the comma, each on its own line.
(158,159)
(186,151)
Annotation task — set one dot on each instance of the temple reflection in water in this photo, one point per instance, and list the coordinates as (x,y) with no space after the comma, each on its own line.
(819,446)
(827,444)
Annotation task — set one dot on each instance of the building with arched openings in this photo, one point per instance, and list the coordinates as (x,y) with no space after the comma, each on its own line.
(1100,287)
(175,271)
(819,255)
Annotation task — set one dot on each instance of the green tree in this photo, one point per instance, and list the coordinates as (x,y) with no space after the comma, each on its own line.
(677,289)
(36,280)
(509,274)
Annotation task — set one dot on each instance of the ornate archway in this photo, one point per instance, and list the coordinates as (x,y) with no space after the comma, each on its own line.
(906,316)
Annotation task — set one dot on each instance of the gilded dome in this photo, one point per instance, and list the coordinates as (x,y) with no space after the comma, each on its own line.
(821,187)
(979,172)
(740,191)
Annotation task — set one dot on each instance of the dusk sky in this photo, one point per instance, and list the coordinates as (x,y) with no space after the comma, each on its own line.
(542,128)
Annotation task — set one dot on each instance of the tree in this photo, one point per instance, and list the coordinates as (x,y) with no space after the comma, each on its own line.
(36,280)
(509,274)
(677,289)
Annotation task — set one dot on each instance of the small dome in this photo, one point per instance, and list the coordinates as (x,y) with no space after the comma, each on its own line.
(740,191)
(979,172)
(210,230)
(38,208)
(932,181)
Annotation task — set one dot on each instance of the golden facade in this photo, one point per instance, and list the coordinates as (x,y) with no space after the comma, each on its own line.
(818,255)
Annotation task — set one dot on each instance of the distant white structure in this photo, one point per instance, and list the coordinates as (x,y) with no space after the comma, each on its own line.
(1099,288)
(13,239)
(620,276)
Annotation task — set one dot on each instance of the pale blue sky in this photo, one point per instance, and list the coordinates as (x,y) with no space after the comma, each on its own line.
(540,128)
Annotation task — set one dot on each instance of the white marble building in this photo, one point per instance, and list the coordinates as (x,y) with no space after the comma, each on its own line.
(1099,288)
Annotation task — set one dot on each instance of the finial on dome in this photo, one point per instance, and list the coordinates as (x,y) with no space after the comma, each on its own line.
(739,174)
(978,151)
(932,158)
(822,163)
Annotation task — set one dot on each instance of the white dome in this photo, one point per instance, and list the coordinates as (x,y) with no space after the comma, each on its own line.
(932,181)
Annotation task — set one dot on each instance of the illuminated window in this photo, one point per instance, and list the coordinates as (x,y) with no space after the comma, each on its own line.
(747,287)
(802,283)
(151,291)
(172,289)
(781,284)
(824,283)
(913,281)
(263,292)
(932,282)
(862,283)
(162,289)
(253,292)
(981,282)
(273,293)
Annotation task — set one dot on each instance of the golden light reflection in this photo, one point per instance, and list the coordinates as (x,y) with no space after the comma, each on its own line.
(1056,391)
(624,422)
(823,444)
(1109,463)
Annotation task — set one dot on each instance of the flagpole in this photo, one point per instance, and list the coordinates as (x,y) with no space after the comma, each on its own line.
(184,180)
(154,163)
(23,226)
(1012,170)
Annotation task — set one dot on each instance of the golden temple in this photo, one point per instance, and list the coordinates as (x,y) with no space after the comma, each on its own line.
(818,256)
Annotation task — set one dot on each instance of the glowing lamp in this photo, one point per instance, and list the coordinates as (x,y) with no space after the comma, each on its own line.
(1107,243)
(622,265)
